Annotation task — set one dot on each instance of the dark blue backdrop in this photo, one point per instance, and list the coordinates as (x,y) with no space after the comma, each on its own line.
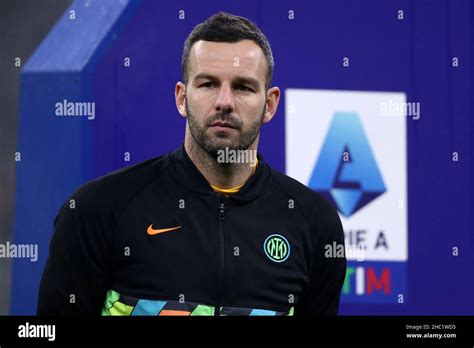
(82,59)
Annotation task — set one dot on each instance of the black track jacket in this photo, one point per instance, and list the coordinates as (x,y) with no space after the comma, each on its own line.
(155,239)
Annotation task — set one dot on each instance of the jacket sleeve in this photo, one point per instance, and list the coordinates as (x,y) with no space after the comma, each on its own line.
(76,276)
(328,270)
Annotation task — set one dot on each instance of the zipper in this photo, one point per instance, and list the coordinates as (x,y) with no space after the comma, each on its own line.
(220,275)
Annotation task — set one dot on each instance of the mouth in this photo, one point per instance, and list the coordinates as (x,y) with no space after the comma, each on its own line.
(222,124)
(222,127)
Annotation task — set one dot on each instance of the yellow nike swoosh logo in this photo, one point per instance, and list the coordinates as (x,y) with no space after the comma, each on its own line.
(151,231)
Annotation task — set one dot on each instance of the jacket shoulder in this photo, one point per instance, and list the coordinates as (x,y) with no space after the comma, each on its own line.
(114,190)
(315,207)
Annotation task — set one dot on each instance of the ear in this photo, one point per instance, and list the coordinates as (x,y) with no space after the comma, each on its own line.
(271,104)
(180,98)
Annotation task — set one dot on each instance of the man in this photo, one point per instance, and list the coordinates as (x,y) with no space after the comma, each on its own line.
(209,229)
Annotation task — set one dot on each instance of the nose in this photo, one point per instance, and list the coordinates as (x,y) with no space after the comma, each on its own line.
(225,99)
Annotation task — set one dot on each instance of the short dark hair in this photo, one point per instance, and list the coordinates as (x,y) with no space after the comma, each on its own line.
(225,27)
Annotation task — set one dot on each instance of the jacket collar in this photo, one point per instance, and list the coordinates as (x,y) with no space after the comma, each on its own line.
(184,170)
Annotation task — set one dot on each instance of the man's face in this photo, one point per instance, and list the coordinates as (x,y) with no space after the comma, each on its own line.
(225,95)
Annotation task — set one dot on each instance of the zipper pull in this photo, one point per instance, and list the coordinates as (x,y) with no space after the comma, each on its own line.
(221,211)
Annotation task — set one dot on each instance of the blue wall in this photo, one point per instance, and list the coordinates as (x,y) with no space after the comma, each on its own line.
(135,113)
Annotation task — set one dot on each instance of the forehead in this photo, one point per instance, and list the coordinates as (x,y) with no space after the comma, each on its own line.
(222,57)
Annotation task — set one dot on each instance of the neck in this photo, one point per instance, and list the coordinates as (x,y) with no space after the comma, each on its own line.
(222,175)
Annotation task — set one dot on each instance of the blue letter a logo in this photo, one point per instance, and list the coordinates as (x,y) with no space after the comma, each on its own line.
(346,172)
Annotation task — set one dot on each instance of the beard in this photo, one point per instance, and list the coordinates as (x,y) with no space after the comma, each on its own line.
(212,145)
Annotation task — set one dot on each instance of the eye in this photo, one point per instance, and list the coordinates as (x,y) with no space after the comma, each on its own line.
(207,84)
(243,88)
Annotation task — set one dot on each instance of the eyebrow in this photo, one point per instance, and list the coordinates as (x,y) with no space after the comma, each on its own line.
(242,79)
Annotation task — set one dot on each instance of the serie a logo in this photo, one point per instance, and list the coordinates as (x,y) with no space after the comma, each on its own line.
(346,172)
